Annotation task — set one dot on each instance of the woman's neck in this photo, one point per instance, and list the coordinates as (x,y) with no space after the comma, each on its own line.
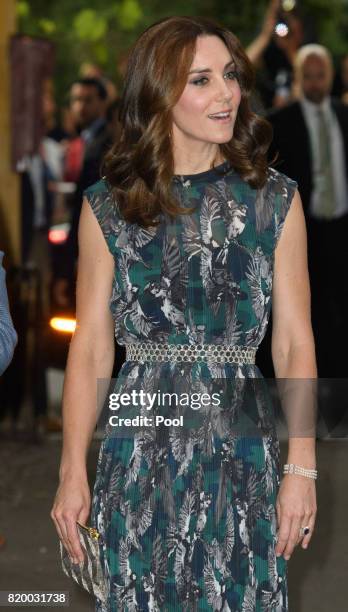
(190,167)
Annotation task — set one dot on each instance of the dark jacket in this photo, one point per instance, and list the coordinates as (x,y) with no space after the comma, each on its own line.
(292,141)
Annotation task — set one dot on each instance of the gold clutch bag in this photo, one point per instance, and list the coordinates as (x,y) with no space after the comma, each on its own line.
(88,573)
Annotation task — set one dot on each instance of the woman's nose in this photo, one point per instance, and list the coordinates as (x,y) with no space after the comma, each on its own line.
(224,90)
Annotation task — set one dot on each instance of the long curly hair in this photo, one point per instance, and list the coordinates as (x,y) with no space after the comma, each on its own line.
(139,167)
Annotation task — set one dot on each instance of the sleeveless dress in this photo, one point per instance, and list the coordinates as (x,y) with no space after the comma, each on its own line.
(188,516)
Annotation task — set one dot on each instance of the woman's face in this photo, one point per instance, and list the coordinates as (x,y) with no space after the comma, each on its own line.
(211,87)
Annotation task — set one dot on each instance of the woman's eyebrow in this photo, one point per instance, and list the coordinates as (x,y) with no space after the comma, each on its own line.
(230,63)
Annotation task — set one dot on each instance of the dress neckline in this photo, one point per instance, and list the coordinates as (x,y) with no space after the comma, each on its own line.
(212,173)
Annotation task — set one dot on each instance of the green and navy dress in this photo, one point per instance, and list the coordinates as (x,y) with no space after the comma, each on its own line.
(188,515)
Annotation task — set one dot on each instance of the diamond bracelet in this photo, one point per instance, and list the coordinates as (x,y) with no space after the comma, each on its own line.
(291,468)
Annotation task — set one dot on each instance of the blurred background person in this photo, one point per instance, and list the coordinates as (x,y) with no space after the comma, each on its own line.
(38,172)
(83,167)
(311,138)
(88,70)
(88,104)
(8,334)
(53,129)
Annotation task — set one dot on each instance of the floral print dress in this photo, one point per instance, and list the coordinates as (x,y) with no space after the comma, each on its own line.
(188,515)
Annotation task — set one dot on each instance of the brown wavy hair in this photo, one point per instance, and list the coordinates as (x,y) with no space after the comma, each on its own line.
(140,166)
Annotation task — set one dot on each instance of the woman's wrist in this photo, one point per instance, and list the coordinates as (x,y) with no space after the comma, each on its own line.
(302,452)
(305,460)
(75,471)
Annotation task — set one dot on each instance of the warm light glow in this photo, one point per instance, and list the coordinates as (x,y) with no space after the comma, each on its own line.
(63,324)
(57,236)
(58,233)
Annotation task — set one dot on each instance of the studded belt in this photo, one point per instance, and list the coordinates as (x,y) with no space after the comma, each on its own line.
(219,353)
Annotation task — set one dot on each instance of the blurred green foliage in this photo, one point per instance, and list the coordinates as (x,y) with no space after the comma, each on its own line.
(101,31)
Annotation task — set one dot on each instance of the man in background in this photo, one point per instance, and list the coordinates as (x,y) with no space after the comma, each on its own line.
(88,98)
(311,139)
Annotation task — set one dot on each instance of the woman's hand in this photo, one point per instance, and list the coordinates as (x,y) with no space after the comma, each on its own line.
(296,507)
(71,504)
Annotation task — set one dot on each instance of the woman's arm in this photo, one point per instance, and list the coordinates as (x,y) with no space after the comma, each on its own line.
(293,349)
(91,356)
(91,352)
(8,335)
(293,353)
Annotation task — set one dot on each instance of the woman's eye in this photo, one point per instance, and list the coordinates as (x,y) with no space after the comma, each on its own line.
(232,74)
(199,81)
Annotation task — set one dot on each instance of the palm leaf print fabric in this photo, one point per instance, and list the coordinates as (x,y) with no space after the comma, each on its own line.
(188,516)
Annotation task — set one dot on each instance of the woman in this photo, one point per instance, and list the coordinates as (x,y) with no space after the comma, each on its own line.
(188,515)
(8,335)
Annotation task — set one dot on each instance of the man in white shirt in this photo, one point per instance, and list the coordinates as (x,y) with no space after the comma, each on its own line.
(311,140)
(297,133)
(314,75)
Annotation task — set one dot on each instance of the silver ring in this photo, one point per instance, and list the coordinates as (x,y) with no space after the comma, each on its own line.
(304,530)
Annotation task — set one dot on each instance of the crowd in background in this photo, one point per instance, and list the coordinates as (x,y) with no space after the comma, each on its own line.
(303,95)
